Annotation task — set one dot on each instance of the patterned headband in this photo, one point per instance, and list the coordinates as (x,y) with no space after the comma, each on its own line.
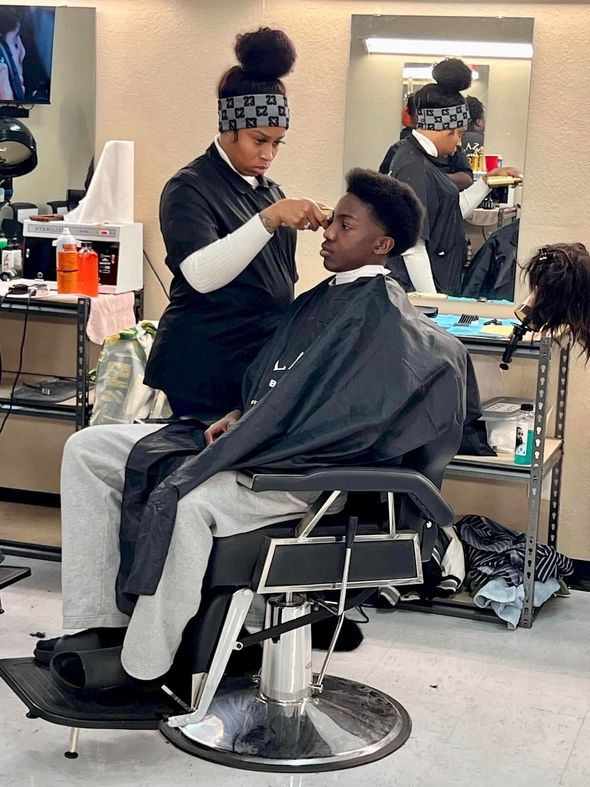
(253,111)
(443,119)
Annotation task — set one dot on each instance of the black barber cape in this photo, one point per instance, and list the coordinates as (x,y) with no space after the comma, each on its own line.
(353,376)
(442,228)
(205,342)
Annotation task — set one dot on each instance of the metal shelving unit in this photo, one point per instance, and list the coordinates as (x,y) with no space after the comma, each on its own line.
(79,408)
(547,459)
(76,410)
(79,411)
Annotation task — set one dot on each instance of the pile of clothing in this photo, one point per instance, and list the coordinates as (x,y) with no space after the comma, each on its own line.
(495,559)
(487,559)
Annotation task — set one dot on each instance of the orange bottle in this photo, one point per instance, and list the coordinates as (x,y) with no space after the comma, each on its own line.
(67,263)
(88,271)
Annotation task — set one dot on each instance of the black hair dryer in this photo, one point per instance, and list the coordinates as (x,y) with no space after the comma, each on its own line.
(518,332)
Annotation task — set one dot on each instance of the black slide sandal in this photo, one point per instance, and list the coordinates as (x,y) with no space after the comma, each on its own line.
(90,639)
(95,671)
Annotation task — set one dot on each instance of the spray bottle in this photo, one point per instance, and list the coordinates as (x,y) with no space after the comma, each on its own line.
(67,262)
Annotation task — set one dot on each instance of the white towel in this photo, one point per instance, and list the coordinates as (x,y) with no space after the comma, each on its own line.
(110,196)
(110,314)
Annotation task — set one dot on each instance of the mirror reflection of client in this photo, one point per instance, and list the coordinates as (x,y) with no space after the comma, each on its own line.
(436,262)
(12,54)
(353,376)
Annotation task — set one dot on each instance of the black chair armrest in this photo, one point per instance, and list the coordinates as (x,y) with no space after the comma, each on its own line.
(400,480)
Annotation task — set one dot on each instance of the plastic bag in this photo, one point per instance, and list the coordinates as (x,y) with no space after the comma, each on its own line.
(120,395)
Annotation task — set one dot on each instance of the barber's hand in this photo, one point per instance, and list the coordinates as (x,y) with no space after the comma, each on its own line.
(222,426)
(512,171)
(299,214)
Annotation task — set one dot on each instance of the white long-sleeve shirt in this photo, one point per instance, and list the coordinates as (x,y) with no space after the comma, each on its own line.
(219,263)
(416,259)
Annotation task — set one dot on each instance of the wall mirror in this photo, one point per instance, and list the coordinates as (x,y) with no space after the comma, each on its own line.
(391,56)
(64,129)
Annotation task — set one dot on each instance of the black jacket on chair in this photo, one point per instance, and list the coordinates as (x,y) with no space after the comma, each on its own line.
(492,272)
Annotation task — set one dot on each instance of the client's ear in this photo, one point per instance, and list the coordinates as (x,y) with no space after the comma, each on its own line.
(384,245)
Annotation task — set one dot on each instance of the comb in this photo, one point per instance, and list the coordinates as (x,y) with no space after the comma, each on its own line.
(467,319)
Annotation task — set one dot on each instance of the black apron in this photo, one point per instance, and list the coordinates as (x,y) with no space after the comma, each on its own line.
(354,376)
(442,228)
(205,342)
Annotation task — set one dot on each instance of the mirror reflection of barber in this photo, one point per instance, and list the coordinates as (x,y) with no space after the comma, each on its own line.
(442,116)
(456,165)
(230,239)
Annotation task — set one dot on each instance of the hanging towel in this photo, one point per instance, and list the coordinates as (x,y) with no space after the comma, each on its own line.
(110,314)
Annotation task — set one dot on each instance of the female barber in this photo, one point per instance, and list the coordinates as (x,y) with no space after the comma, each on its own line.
(230,239)
(436,262)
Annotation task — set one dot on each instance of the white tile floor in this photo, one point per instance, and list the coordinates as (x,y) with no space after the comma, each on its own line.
(489,707)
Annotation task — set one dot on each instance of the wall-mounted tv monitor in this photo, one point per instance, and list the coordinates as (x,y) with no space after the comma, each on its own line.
(26,53)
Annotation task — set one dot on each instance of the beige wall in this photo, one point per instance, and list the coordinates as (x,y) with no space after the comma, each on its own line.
(157,66)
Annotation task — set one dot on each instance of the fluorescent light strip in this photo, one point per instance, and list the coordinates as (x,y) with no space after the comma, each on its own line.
(425,72)
(418,46)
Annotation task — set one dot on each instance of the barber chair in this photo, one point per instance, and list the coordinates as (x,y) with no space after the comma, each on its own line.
(284,718)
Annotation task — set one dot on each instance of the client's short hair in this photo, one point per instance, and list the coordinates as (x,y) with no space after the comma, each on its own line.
(393,204)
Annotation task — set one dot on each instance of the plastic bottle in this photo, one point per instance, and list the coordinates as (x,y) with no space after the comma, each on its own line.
(525,435)
(67,262)
(88,271)
(3,245)
(12,257)
(17,256)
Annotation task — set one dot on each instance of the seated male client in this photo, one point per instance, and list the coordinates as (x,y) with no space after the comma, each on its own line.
(354,376)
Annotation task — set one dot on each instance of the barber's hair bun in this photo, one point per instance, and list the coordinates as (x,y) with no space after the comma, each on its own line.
(452,74)
(265,54)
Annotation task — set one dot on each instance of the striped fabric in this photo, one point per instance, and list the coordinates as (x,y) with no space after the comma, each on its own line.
(493,551)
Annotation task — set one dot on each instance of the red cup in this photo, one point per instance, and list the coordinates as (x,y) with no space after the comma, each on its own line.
(492,162)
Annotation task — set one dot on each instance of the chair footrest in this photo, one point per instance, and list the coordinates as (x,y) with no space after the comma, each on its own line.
(315,563)
(32,683)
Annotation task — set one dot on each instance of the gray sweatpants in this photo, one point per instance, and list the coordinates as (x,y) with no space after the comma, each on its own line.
(93,472)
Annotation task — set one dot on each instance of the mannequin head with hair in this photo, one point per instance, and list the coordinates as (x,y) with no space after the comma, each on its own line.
(264,57)
(559,304)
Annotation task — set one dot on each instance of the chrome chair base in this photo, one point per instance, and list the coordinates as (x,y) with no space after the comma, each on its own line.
(348,724)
